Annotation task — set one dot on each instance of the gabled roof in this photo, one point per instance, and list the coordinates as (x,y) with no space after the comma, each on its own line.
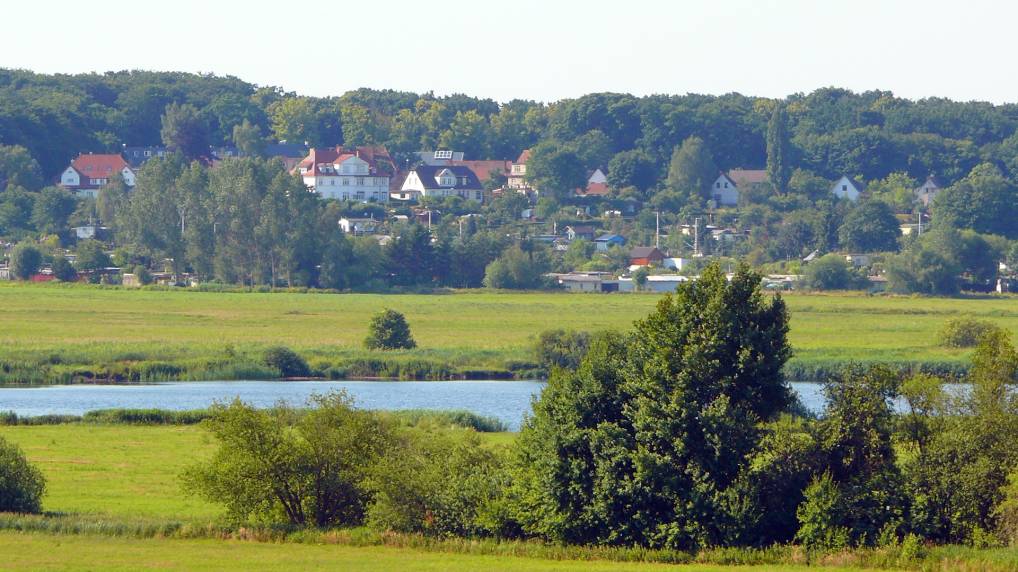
(377,157)
(609,237)
(858,185)
(582,229)
(596,189)
(523,158)
(644,252)
(931,182)
(744,177)
(428,175)
(485,169)
(99,166)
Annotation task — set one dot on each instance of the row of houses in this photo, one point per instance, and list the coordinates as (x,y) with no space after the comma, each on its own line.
(726,188)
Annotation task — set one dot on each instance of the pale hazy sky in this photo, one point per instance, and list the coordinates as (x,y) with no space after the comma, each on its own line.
(543,49)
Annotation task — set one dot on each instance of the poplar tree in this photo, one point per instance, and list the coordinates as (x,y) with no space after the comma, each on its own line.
(778,169)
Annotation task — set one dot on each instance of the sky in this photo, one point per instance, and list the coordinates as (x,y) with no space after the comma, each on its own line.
(542,50)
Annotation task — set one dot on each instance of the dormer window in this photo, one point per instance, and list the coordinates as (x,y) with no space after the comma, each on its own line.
(443,154)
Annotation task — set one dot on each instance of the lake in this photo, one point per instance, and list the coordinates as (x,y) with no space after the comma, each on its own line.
(507,401)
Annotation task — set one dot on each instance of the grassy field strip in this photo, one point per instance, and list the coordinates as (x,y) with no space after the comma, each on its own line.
(475,326)
(46,552)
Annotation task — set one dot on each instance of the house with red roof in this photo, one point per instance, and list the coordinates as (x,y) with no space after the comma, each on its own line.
(88,173)
(597,185)
(356,174)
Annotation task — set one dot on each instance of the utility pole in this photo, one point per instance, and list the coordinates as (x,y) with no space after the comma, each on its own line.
(696,237)
(461,227)
(657,230)
(920,213)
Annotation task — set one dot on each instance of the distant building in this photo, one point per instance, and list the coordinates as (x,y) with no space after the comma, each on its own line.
(137,156)
(358,226)
(518,172)
(439,158)
(606,241)
(584,232)
(438,181)
(927,191)
(725,190)
(357,174)
(597,185)
(847,188)
(89,173)
(646,256)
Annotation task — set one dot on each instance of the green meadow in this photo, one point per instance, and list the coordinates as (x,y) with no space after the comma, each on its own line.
(113,502)
(57,333)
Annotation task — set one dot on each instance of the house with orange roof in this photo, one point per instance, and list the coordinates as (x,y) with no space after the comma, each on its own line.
(90,172)
(357,174)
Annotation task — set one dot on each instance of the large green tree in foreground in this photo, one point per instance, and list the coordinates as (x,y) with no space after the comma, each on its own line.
(645,441)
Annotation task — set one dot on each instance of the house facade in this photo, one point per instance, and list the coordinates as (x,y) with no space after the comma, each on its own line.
(359,174)
(646,256)
(88,173)
(440,182)
(517,178)
(847,188)
(928,191)
(606,241)
(725,190)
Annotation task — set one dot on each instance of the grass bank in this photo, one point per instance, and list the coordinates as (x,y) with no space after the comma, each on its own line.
(114,502)
(64,333)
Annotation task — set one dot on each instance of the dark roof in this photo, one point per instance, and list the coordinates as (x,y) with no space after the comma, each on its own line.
(609,237)
(428,173)
(644,252)
(285,150)
(582,229)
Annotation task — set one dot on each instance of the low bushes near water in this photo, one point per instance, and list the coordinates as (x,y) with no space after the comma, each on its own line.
(286,361)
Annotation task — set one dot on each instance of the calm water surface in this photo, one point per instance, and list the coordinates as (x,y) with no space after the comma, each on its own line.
(508,401)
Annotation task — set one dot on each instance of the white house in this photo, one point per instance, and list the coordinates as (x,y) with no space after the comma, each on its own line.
(725,190)
(517,178)
(360,174)
(89,173)
(847,188)
(440,181)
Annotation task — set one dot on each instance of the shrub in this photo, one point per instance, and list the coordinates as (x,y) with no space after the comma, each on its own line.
(561,348)
(25,260)
(832,272)
(819,516)
(144,276)
(964,332)
(63,270)
(435,484)
(389,330)
(281,465)
(287,361)
(21,484)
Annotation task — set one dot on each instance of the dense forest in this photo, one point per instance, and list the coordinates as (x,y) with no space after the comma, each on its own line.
(833,131)
(660,153)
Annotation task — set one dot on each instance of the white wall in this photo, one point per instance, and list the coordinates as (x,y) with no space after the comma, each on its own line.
(70,178)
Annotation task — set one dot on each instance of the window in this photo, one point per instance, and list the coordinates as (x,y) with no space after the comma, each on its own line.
(717,185)
(360,181)
(844,188)
(443,154)
(477,195)
(346,180)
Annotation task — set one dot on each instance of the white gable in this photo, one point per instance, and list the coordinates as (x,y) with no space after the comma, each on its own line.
(844,188)
(70,178)
(724,192)
(597,177)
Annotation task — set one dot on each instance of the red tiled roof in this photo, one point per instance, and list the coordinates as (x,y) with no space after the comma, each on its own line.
(99,166)
(747,176)
(524,157)
(485,169)
(377,158)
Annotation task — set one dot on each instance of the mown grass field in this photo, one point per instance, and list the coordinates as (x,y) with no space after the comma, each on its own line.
(48,552)
(468,329)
